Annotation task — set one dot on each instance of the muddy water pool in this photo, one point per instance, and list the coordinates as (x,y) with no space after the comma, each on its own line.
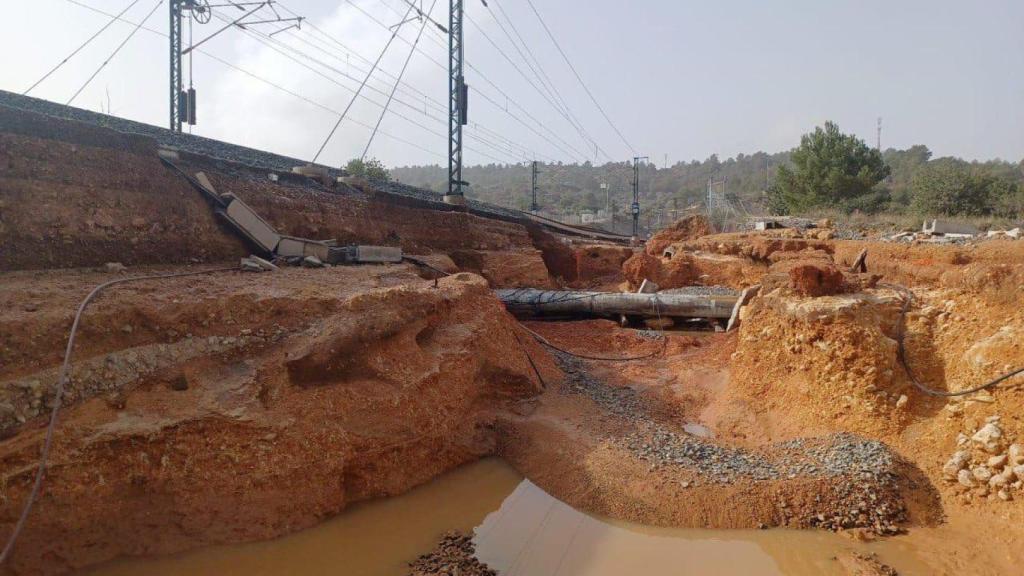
(520,530)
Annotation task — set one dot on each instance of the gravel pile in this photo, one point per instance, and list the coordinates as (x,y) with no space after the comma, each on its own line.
(861,476)
(454,555)
(702,291)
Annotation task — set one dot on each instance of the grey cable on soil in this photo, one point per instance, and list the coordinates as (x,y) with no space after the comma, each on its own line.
(59,393)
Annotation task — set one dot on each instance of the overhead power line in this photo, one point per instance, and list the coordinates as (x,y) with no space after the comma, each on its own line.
(547,94)
(280,47)
(360,89)
(504,141)
(575,154)
(114,53)
(399,79)
(261,79)
(578,77)
(79,49)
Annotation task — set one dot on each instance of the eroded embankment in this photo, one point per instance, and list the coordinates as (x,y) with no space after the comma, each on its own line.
(234,407)
(81,195)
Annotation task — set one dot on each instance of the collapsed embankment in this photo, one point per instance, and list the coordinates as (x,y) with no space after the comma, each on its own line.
(235,407)
(78,195)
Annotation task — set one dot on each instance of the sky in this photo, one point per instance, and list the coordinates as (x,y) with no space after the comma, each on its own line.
(678,79)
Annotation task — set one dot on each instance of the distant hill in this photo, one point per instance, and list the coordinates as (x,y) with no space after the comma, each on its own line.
(574,188)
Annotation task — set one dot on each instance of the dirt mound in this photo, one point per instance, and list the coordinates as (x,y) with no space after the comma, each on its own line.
(318,388)
(821,363)
(601,262)
(687,228)
(816,278)
(690,269)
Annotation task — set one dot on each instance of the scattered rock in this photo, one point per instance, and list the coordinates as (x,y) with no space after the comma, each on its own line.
(997,462)
(955,464)
(965,478)
(989,437)
(312,262)
(902,402)
(981,474)
(1015,454)
(114,267)
(454,555)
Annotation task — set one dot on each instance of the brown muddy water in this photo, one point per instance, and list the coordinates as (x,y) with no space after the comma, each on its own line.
(520,530)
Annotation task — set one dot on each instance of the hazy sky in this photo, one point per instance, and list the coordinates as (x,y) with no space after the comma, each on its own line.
(677,77)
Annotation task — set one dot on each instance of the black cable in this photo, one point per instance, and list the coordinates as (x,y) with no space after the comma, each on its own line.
(79,49)
(59,395)
(547,343)
(902,353)
(529,358)
(578,77)
(424,264)
(114,53)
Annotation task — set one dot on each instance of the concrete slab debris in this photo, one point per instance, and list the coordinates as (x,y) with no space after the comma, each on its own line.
(945,228)
(249,224)
(647,287)
(746,296)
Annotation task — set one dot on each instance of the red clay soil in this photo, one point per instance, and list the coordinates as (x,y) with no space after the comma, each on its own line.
(239,406)
(600,263)
(597,442)
(71,205)
(687,228)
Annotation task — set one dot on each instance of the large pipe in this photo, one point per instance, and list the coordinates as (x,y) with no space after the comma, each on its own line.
(530,300)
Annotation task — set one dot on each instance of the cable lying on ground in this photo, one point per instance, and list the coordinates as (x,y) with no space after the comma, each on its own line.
(901,352)
(546,342)
(59,394)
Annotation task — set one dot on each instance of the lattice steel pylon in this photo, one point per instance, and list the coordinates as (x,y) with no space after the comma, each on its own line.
(457,97)
(176,83)
(719,207)
(183,102)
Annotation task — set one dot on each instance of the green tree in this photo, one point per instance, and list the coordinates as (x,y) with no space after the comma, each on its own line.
(371,169)
(1007,198)
(830,169)
(948,186)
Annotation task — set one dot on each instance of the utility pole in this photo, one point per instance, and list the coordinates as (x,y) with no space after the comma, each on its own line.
(635,208)
(176,7)
(182,103)
(879,135)
(457,99)
(533,187)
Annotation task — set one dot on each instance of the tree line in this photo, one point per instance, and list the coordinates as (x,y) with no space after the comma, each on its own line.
(828,170)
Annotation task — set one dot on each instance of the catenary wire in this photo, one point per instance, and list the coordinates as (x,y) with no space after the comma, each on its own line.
(81,47)
(578,77)
(398,80)
(114,53)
